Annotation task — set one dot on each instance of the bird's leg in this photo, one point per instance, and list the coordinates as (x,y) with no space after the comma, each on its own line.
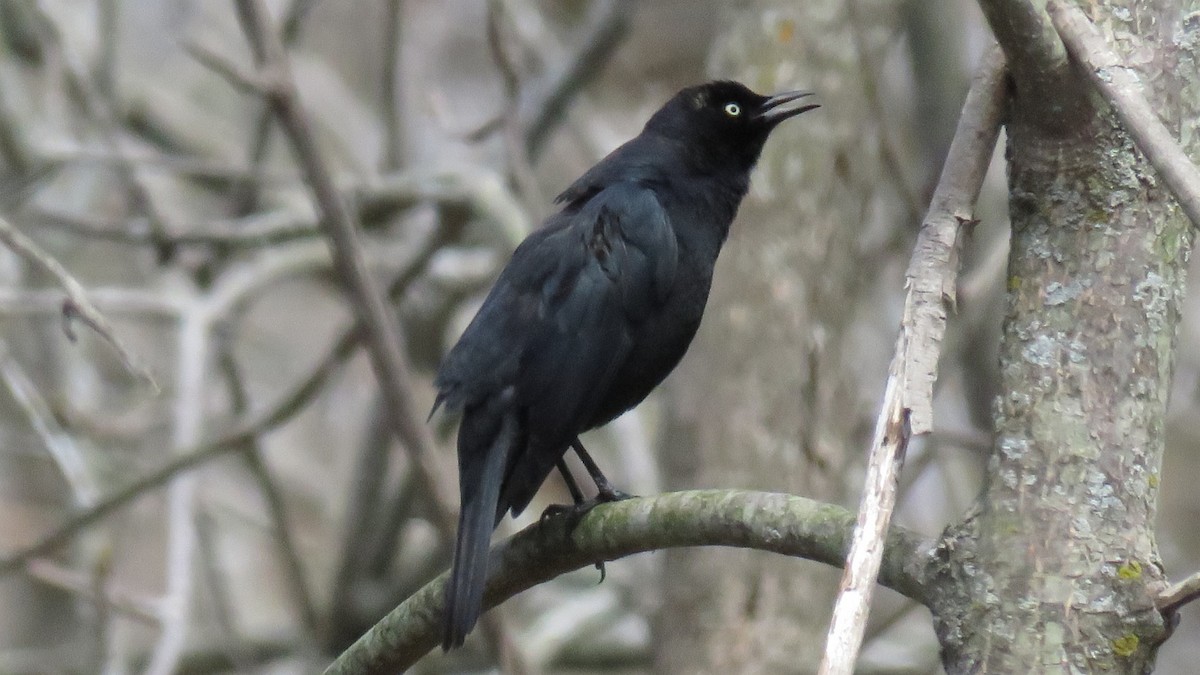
(572,486)
(605,492)
(577,500)
(580,504)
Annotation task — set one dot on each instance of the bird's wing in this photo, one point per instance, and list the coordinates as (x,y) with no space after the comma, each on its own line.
(564,303)
(615,263)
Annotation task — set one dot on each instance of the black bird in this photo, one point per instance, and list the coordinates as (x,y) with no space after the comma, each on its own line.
(594,310)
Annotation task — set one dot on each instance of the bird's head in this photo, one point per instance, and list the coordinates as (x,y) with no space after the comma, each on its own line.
(725,121)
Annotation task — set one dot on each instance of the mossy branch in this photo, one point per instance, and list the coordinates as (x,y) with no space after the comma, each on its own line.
(742,519)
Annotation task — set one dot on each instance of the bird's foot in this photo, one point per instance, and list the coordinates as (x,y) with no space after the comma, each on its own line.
(557,510)
(575,513)
(607,493)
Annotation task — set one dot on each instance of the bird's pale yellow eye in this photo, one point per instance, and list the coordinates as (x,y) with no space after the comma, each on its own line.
(733,109)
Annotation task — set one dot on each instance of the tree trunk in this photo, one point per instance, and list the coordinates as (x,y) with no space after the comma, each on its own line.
(1057,569)
(770,396)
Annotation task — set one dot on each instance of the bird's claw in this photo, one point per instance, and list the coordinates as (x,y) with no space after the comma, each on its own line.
(576,512)
(556,510)
(611,494)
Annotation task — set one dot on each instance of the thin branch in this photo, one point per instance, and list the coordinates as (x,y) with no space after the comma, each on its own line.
(245,196)
(58,153)
(1120,86)
(77,304)
(546,109)
(869,74)
(933,272)
(144,609)
(61,446)
(255,231)
(219,593)
(1178,595)
(216,60)
(1049,94)
(100,104)
(187,420)
(383,337)
(281,533)
(360,524)
(379,324)
(116,301)
(283,410)
(227,443)
(516,150)
(770,522)
(908,397)
(481,192)
(389,90)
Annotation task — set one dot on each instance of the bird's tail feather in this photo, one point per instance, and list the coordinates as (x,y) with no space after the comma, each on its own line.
(480,479)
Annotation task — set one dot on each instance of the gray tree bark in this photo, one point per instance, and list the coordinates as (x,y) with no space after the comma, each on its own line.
(1057,568)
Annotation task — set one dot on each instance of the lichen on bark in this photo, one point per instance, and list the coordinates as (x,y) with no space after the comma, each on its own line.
(1057,568)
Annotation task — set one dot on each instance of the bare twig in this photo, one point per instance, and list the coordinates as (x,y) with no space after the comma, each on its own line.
(361,521)
(248,81)
(932,273)
(77,304)
(385,344)
(361,556)
(192,362)
(379,323)
(1121,87)
(220,597)
(389,90)
(58,153)
(117,301)
(100,105)
(245,197)
(255,231)
(770,522)
(126,602)
(1179,594)
(225,444)
(481,192)
(908,397)
(604,34)
(517,156)
(106,60)
(869,75)
(66,453)
(285,544)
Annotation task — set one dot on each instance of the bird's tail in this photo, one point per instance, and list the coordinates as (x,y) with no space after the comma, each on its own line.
(483,449)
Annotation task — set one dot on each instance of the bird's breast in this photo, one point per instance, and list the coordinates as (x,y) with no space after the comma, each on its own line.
(659,342)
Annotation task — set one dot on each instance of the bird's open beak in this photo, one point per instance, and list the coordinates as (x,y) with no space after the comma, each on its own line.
(772,113)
